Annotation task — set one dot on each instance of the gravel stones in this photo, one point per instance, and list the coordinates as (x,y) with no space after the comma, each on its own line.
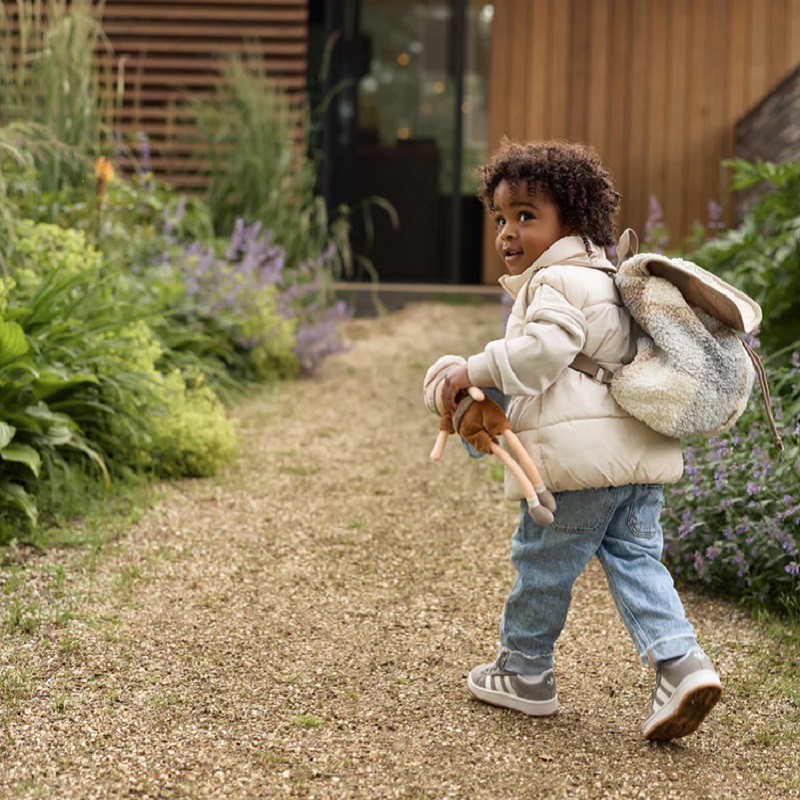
(302,626)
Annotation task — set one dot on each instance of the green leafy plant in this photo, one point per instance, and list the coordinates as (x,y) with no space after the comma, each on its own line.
(80,380)
(762,255)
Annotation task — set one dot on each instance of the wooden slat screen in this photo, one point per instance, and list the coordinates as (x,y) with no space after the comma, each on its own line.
(172,49)
(656,86)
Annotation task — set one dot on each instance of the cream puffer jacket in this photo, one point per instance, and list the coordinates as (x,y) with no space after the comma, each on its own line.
(566,303)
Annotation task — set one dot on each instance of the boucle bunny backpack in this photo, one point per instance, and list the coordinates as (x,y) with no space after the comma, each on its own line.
(693,373)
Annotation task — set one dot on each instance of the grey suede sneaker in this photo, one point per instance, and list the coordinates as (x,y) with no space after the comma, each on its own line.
(686,689)
(531,694)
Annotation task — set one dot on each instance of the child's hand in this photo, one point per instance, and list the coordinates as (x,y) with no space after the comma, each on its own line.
(456,380)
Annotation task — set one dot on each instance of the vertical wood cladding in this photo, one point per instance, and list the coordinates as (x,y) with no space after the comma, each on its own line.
(656,86)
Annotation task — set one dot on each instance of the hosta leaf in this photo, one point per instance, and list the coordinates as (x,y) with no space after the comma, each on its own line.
(6,434)
(55,436)
(13,343)
(51,381)
(22,454)
(40,411)
(13,494)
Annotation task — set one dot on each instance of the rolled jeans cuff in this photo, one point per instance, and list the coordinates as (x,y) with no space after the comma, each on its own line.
(514,661)
(666,648)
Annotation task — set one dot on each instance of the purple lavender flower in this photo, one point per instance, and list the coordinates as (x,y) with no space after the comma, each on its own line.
(253,275)
(656,237)
(715,220)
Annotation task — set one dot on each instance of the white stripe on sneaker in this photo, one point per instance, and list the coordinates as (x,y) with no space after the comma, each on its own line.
(662,696)
(667,685)
(507,685)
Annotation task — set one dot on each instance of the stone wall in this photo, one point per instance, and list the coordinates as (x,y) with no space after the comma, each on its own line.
(770,132)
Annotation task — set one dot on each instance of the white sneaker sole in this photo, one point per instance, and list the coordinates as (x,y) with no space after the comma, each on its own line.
(534,708)
(682,714)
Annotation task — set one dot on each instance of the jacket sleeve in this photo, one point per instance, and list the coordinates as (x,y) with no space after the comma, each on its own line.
(554,333)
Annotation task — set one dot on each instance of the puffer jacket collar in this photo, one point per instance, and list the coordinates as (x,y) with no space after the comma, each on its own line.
(570,251)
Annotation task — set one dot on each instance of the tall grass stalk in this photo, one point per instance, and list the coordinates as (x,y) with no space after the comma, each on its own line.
(50,75)
(259,169)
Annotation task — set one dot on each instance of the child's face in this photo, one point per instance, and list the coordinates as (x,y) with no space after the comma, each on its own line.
(525,225)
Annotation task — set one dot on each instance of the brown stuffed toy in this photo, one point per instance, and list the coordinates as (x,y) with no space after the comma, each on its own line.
(480,421)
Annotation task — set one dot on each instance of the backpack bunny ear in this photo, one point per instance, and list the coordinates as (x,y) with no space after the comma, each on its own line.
(628,242)
(705,290)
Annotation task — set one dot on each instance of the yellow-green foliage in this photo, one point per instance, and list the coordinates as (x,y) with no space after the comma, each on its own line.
(39,248)
(274,336)
(51,247)
(180,425)
(192,435)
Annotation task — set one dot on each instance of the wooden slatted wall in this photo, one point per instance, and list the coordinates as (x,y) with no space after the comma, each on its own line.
(656,86)
(171,49)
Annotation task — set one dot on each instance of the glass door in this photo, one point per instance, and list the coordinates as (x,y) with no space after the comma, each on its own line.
(417,130)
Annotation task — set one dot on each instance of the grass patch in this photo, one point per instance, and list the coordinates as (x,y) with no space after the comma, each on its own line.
(308,721)
(769,672)
(89,517)
(496,471)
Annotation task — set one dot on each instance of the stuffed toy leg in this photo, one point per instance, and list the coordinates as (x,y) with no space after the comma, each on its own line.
(480,421)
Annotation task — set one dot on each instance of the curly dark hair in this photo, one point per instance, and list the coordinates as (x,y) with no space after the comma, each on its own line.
(570,175)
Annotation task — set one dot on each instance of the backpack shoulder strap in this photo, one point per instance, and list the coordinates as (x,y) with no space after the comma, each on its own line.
(765,394)
(627,243)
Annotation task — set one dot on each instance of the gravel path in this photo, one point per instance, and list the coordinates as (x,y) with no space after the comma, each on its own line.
(303,627)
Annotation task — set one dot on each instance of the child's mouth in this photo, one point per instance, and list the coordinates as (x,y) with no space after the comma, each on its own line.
(512,255)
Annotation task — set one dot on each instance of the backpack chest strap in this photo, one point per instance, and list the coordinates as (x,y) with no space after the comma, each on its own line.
(588,366)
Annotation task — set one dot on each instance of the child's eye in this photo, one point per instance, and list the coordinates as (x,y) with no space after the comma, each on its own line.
(499,222)
(525,216)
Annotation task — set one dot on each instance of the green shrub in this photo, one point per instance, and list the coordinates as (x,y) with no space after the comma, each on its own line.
(169,424)
(40,249)
(762,256)
(80,378)
(189,433)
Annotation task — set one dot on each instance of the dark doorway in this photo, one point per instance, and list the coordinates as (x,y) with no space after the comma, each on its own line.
(404,86)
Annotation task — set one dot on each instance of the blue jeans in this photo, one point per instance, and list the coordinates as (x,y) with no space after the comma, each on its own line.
(620,526)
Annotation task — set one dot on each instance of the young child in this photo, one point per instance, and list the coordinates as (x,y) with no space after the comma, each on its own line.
(553,206)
